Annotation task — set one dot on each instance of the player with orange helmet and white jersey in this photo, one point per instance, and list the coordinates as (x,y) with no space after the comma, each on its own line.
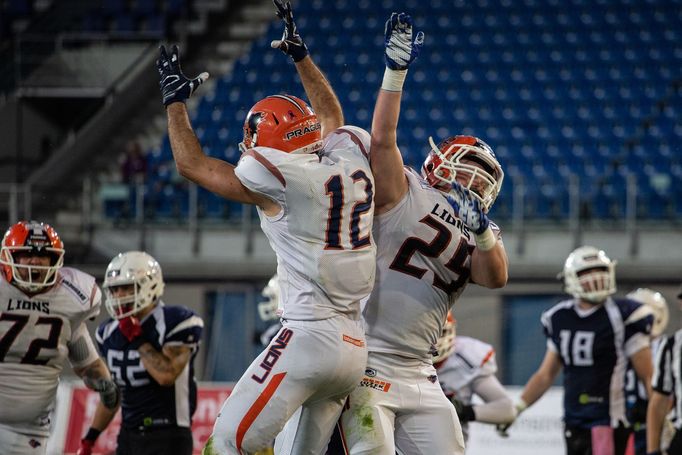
(42,325)
(466,367)
(433,237)
(311,181)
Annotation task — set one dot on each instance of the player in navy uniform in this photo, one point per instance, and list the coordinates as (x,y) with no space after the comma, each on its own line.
(636,397)
(592,337)
(150,349)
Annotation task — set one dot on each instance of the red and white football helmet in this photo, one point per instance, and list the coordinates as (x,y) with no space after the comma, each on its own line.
(34,238)
(282,122)
(589,274)
(445,345)
(466,159)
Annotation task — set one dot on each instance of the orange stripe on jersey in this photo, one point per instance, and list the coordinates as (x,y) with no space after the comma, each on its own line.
(344,444)
(257,407)
(355,139)
(487,357)
(354,341)
(267,164)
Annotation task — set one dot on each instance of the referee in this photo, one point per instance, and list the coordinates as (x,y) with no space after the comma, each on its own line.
(666,382)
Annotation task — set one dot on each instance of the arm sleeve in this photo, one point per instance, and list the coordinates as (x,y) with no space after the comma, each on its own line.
(662,379)
(187,332)
(358,136)
(82,351)
(546,321)
(498,407)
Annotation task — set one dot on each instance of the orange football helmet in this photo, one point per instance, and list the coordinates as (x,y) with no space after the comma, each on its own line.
(31,237)
(469,158)
(282,122)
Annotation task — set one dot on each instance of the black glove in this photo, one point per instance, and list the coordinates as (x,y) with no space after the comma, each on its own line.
(175,86)
(638,412)
(291,42)
(465,412)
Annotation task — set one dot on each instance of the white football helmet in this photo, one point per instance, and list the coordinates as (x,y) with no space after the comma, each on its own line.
(589,274)
(132,268)
(469,159)
(267,309)
(445,345)
(658,305)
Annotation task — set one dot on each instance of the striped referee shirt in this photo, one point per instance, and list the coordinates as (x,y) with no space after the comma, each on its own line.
(667,378)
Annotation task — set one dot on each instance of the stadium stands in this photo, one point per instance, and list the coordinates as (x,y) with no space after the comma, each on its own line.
(591,89)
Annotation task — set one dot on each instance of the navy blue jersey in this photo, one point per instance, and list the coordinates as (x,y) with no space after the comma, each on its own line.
(635,391)
(594,346)
(144,402)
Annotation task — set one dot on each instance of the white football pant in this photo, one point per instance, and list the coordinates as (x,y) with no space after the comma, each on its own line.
(313,364)
(14,443)
(400,407)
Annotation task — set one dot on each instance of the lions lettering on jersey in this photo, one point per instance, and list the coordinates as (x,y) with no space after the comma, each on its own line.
(144,402)
(424,264)
(36,333)
(594,346)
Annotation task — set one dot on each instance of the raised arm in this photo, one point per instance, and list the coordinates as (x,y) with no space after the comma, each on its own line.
(212,174)
(320,93)
(401,49)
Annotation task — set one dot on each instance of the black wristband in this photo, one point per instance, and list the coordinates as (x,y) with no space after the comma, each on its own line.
(468,414)
(92,434)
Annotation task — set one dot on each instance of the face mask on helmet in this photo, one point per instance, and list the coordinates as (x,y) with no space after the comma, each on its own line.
(282,122)
(133,281)
(589,275)
(445,345)
(467,160)
(267,309)
(31,255)
(658,305)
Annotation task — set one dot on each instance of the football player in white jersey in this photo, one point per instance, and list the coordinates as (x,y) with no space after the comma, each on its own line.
(466,367)
(433,237)
(42,325)
(310,178)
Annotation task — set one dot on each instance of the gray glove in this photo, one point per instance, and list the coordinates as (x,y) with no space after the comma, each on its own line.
(108,391)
